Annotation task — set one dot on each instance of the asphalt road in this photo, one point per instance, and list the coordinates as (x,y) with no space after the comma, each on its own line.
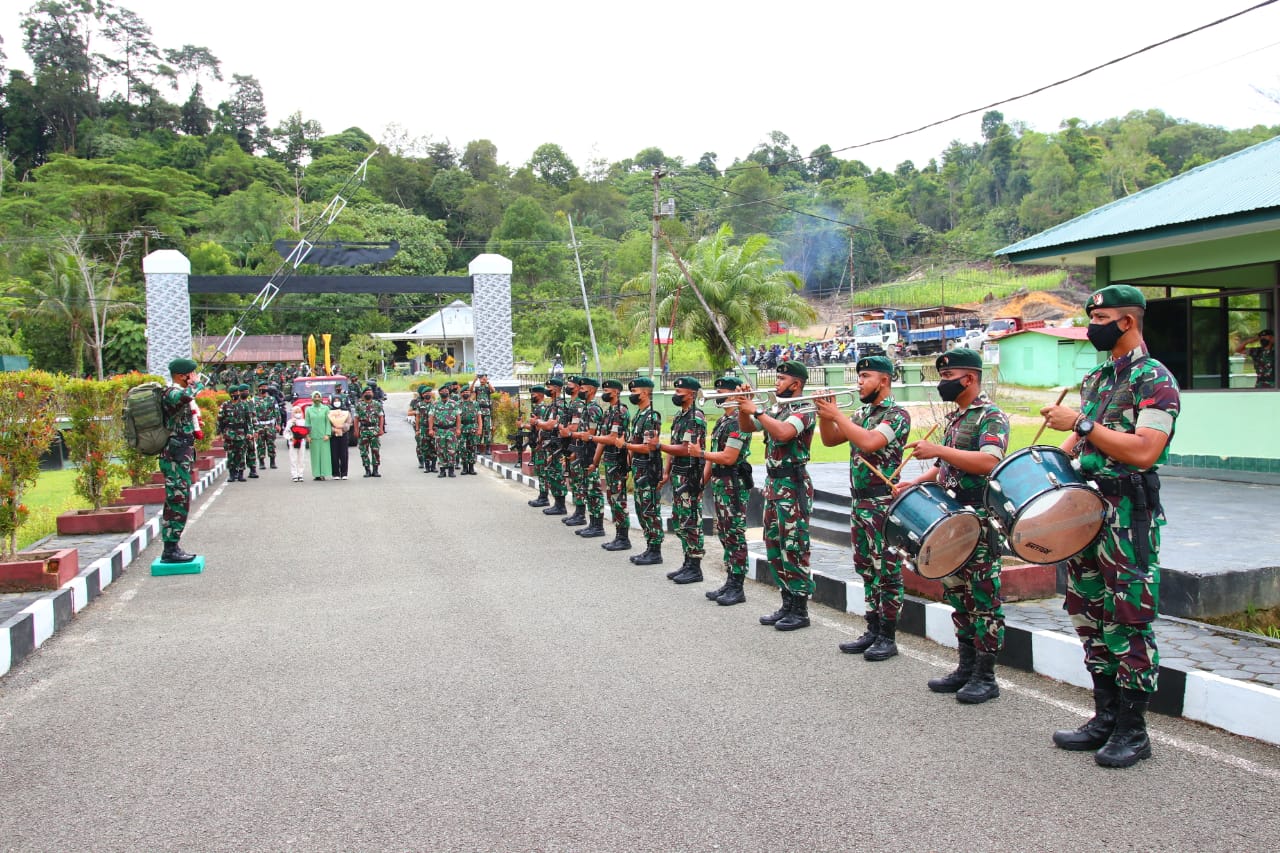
(412,663)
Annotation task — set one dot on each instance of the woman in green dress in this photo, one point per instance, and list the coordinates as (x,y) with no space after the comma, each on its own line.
(319,433)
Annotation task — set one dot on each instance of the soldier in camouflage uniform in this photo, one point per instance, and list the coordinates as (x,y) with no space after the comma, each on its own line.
(684,471)
(232,442)
(371,423)
(876,434)
(1120,436)
(415,404)
(585,453)
(240,432)
(267,423)
(178,457)
(537,412)
(728,469)
(975,440)
(469,415)
(420,409)
(484,402)
(1263,357)
(571,422)
(615,423)
(550,445)
(445,426)
(788,494)
(249,415)
(646,469)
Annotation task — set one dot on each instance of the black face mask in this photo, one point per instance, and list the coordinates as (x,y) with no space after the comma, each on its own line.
(1105,336)
(950,389)
(635,399)
(790,392)
(868,398)
(681,400)
(608,398)
(582,395)
(444,396)
(368,396)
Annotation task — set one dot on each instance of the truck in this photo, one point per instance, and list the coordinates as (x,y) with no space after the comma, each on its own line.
(998,328)
(918,331)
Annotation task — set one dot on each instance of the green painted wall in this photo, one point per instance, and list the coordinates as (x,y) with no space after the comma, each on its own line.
(1044,361)
(1211,254)
(1228,424)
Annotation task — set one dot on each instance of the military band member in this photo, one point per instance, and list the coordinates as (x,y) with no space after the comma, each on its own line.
(616,422)
(646,468)
(876,434)
(727,467)
(976,438)
(684,472)
(585,450)
(570,420)
(788,494)
(1121,434)
(537,412)
(550,443)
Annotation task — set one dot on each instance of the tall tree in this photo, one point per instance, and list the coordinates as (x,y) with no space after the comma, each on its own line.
(244,115)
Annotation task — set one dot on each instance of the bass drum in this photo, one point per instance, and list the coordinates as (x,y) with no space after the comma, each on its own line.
(932,531)
(1046,509)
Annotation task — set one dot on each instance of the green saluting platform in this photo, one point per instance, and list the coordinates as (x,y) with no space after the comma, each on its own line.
(194,567)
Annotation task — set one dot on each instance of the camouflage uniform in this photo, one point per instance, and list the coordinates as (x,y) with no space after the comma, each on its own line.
(266,424)
(592,420)
(233,426)
(690,427)
(730,492)
(1113,590)
(445,417)
(177,460)
(788,502)
(469,414)
(369,414)
(537,412)
(881,575)
(549,446)
(974,590)
(484,403)
(616,466)
(647,471)
(575,474)
(1264,365)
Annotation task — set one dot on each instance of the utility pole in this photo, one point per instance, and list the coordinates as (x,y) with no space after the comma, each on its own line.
(658,174)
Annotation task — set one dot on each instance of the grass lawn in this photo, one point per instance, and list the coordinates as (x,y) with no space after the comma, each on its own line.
(53,494)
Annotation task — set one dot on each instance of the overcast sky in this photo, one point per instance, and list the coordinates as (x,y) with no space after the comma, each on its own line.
(607,80)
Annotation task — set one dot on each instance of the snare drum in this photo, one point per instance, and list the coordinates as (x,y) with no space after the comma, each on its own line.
(1047,510)
(934,532)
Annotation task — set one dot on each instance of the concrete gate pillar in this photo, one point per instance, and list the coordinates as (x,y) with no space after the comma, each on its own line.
(168,309)
(491,314)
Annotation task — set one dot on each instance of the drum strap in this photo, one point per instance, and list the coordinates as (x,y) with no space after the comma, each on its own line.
(877,491)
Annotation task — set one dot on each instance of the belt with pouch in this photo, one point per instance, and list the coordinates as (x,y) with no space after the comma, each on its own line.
(878,490)
(796,471)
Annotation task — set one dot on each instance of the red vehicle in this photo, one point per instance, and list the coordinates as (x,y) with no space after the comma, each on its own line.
(1001,326)
(305,386)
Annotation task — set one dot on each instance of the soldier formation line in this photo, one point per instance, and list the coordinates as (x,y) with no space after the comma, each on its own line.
(1117,439)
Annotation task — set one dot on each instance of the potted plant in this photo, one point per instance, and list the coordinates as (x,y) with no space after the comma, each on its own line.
(28,420)
(208,402)
(94,441)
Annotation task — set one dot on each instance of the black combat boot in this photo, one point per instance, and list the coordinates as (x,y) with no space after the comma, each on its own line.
(713,594)
(798,617)
(540,500)
(253,473)
(367,471)
(680,569)
(1129,743)
(960,677)
(621,541)
(594,529)
(778,615)
(868,638)
(173,553)
(982,684)
(1094,733)
(375,471)
(652,556)
(440,474)
(557,508)
(885,645)
(273,464)
(578,518)
(692,572)
(233,476)
(451,474)
(733,593)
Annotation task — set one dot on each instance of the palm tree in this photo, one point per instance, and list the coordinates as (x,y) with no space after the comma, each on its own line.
(744,285)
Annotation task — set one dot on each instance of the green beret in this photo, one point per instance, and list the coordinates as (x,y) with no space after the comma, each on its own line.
(573,380)
(959,357)
(557,382)
(794,368)
(640,382)
(878,363)
(728,383)
(182,365)
(262,385)
(538,389)
(688,383)
(589,381)
(1116,296)
(612,383)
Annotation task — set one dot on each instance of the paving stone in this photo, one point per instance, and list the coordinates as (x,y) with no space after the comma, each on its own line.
(1237,674)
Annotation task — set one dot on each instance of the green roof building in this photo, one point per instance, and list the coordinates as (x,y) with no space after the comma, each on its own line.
(1205,246)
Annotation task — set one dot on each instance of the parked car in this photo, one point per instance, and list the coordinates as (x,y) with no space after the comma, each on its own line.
(305,386)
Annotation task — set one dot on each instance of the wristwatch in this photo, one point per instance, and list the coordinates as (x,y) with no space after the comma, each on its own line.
(1084,427)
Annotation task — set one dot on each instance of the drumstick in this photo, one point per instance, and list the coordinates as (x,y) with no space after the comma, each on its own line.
(1040,431)
(907,457)
(877,472)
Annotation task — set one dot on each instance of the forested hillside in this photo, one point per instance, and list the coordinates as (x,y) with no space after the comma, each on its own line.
(110,149)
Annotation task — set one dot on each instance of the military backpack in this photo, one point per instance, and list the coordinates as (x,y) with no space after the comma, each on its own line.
(144,422)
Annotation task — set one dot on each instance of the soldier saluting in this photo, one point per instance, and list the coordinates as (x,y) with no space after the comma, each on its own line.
(1121,434)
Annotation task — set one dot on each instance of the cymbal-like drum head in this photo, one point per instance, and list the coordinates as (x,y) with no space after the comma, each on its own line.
(948,545)
(1057,525)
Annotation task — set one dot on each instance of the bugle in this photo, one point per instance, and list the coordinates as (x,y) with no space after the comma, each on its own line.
(729,399)
(808,404)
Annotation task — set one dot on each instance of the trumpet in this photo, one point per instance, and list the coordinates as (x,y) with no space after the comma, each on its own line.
(729,399)
(807,405)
